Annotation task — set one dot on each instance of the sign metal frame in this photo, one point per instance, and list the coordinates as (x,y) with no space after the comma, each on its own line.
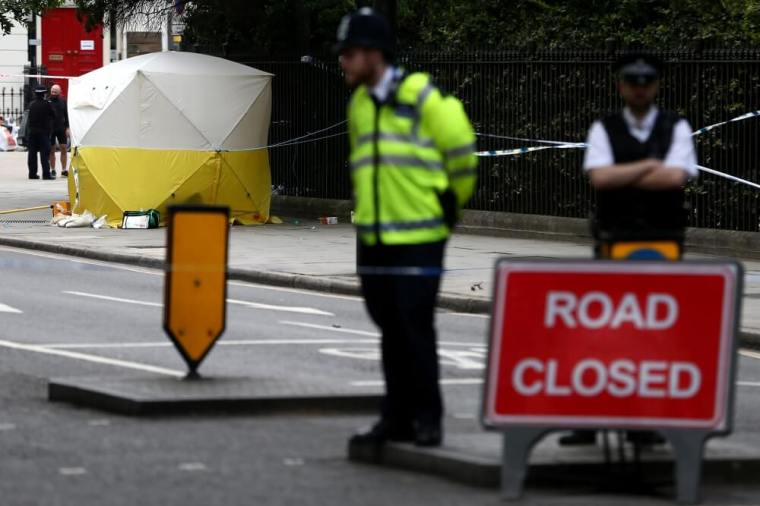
(520,434)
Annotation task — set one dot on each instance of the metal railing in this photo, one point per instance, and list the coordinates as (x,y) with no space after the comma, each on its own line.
(12,103)
(541,95)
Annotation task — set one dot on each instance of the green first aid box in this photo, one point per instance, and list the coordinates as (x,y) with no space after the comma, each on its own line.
(141,219)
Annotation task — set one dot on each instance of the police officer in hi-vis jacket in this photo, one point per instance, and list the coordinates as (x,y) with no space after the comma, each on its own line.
(413,167)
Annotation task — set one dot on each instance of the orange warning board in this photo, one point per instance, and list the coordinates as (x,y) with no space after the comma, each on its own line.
(195,291)
(645,250)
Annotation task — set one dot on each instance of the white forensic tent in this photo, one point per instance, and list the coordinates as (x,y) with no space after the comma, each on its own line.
(171,128)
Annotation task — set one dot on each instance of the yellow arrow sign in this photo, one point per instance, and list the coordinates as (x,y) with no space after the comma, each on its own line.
(195,290)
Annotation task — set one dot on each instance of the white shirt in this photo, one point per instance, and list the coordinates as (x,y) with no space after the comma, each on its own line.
(681,153)
(381,90)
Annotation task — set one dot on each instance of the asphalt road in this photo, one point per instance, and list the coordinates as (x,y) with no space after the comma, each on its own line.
(66,317)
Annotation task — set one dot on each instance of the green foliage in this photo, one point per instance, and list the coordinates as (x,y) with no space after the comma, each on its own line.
(264,28)
(514,24)
(20,10)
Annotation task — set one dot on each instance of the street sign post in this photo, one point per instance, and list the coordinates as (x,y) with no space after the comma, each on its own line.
(195,291)
(605,344)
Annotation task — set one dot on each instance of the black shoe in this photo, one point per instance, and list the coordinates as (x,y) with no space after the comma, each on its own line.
(52,173)
(48,178)
(644,437)
(33,176)
(381,432)
(578,438)
(64,173)
(428,435)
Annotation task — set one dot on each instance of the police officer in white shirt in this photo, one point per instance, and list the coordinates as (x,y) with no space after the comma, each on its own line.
(638,160)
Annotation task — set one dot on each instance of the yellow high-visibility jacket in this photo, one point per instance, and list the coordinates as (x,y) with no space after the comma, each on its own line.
(413,164)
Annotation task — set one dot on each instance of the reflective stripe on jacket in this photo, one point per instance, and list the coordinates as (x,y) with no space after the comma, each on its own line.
(407,155)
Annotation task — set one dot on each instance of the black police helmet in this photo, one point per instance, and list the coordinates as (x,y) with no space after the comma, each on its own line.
(639,68)
(40,90)
(365,28)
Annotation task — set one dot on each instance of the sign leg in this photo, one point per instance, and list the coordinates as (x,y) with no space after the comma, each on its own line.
(688,447)
(517,444)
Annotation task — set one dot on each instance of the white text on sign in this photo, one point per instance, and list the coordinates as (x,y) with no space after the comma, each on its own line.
(620,378)
(596,310)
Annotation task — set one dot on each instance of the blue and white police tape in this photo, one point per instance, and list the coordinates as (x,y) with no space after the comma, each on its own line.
(366,270)
(582,145)
(706,129)
(728,176)
(522,151)
(524,139)
(304,139)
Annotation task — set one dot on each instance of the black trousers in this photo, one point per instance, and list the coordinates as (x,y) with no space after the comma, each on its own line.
(400,287)
(38,143)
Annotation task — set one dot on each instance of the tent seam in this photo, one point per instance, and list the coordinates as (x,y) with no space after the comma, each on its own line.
(245,113)
(214,148)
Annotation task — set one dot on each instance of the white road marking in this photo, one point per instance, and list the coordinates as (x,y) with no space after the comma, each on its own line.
(288,309)
(99,423)
(444,382)
(4,308)
(75,346)
(463,359)
(367,333)
(72,471)
(7,426)
(53,256)
(748,383)
(472,315)
(750,354)
(340,330)
(114,299)
(192,466)
(254,305)
(293,462)
(314,293)
(93,358)
(166,344)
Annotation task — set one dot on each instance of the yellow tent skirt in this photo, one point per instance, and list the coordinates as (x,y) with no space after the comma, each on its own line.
(109,181)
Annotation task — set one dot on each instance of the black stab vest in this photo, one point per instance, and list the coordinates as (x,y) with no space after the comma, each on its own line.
(633,211)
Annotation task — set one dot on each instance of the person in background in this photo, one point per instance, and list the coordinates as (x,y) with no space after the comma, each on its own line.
(41,117)
(60,136)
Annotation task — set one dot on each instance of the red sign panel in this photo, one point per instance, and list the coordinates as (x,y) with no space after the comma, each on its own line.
(612,344)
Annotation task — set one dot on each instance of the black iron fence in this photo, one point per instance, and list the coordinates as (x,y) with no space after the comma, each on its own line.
(12,103)
(542,95)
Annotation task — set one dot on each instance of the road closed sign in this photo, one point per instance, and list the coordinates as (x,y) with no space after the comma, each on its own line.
(612,344)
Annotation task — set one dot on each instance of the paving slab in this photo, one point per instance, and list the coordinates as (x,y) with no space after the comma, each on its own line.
(174,396)
(475,459)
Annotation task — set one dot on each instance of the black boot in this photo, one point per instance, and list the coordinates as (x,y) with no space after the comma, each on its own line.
(381,432)
(428,435)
